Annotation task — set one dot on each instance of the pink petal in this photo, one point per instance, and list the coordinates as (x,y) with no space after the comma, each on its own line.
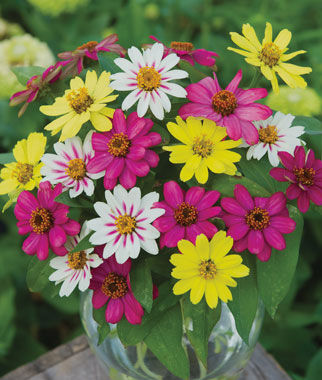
(310,158)
(194,195)
(249,132)
(115,169)
(232,87)
(196,109)
(208,228)
(133,310)
(299,155)
(57,236)
(42,249)
(152,158)
(238,231)
(230,219)
(287,160)
(279,174)
(204,57)
(27,202)
(139,168)
(172,237)
(99,142)
(255,241)
(119,123)
(251,95)
(303,201)
(274,238)
(283,224)
(209,213)
(192,232)
(243,197)
(276,203)
(251,112)
(164,223)
(173,194)
(233,126)
(109,183)
(127,179)
(233,207)
(210,198)
(21,214)
(59,251)
(136,152)
(198,93)
(114,310)
(99,299)
(315,194)
(72,227)
(30,244)
(260,202)
(265,254)
(293,191)
(241,245)
(135,128)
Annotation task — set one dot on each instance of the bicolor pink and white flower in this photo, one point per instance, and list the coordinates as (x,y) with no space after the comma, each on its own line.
(45,220)
(232,108)
(186,214)
(276,134)
(123,153)
(304,173)
(74,269)
(148,76)
(69,166)
(111,285)
(124,223)
(257,224)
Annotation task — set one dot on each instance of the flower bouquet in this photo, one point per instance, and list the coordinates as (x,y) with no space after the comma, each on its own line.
(174,200)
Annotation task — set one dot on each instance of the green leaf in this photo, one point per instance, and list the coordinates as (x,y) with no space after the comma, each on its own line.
(106,60)
(24,73)
(274,277)
(73,202)
(314,371)
(313,133)
(141,283)
(6,158)
(245,299)
(7,311)
(103,328)
(84,244)
(165,341)
(200,320)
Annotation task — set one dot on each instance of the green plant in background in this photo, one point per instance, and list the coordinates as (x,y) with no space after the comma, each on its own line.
(55,7)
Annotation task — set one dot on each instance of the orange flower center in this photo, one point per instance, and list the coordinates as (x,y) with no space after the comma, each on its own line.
(23,172)
(207,269)
(270,54)
(119,145)
(90,46)
(268,135)
(77,260)
(224,102)
(76,169)
(41,220)
(125,224)
(202,146)
(79,100)
(186,214)
(258,218)
(148,79)
(185,46)
(305,176)
(114,286)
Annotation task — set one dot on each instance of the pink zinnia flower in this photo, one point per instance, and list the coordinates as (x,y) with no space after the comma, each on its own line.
(122,153)
(45,220)
(74,60)
(187,52)
(111,284)
(304,172)
(232,108)
(257,224)
(186,214)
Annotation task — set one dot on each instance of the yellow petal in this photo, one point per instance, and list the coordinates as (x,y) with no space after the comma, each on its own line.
(241,52)
(183,262)
(223,291)
(291,80)
(287,57)
(268,33)
(294,69)
(202,245)
(267,72)
(57,124)
(8,185)
(56,109)
(226,155)
(253,61)
(197,290)
(102,87)
(215,165)
(189,251)
(182,286)
(228,261)
(184,273)
(219,133)
(72,127)
(239,271)
(220,245)
(36,144)
(20,151)
(109,112)
(180,154)
(274,83)
(202,172)
(194,127)
(226,279)
(30,185)
(76,83)
(242,42)
(179,132)
(90,81)
(283,39)
(211,294)
(227,144)
(100,122)
(249,33)
(189,168)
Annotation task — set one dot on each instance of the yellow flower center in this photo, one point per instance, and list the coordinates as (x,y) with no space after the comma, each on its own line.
(76,169)
(305,176)
(186,214)
(80,100)
(207,269)
(268,135)
(89,46)
(258,218)
(119,145)
(77,260)
(125,224)
(202,146)
(270,54)
(114,286)
(23,172)
(41,220)
(185,46)
(224,102)
(148,79)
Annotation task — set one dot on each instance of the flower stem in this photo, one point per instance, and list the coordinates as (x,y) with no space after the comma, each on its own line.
(255,78)
(141,349)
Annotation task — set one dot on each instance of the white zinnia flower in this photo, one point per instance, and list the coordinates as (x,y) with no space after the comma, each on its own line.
(68,166)
(74,268)
(124,223)
(275,135)
(148,78)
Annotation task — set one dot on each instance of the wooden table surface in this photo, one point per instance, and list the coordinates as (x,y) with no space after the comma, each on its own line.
(75,361)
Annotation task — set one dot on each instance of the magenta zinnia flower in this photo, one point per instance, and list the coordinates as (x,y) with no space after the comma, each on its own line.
(304,172)
(233,108)
(111,284)
(186,214)
(187,52)
(123,151)
(45,220)
(257,224)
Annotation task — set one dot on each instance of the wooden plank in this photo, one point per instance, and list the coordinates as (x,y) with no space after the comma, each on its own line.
(75,361)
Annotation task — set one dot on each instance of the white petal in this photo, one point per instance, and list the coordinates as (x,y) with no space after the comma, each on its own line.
(165,101)
(168,62)
(157,53)
(84,231)
(156,106)
(173,89)
(143,103)
(102,209)
(250,152)
(134,197)
(147,231)
(148,200)
(131,99)
(87,146)
(125,65)
(59,262)
(69,285)
(285,122)
(122,85)
(273,157)
(89,188)
(94,260)
(112,202)
(110,248)
(150,246)
(73,193)
(103,236)
(136,246)
(136,56)
(174,74)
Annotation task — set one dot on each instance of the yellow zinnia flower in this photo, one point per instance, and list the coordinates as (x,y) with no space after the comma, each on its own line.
(270,56)
(82,102)
(25,173)
(205,269)
(202,148)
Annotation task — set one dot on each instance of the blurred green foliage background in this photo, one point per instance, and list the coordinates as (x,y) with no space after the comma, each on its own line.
(31,324)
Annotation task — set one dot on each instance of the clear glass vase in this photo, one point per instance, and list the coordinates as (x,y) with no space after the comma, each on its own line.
(227,353)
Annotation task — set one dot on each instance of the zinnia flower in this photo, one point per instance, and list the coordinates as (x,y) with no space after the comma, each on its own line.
(124,223)
(24,174)
(232,108)
(74,268)
(111,285)
(123,153)
(148,76)
(45,220)
(186,214)
(270,56)
(257,224)
(202,149)
(205,269)
(74,60)
(82,102)
(275,135)
(187,52)
(69,166)
(304,172)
